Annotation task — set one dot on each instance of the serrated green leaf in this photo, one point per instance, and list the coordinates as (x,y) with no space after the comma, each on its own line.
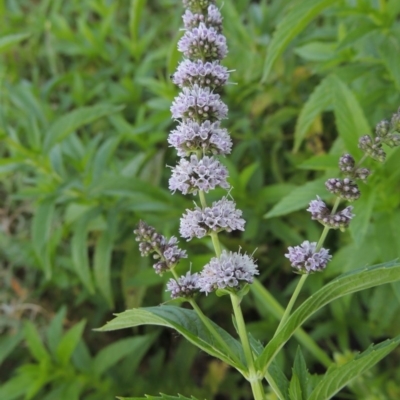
(350,118)
(115,352)
(300,369)
(338,377)
(69,342)
(278,380)
(351,282)
(272,306)
(8,41)
(187,323)
(68,123)
(298,198)
(296,20)
(295,388)
(319,101)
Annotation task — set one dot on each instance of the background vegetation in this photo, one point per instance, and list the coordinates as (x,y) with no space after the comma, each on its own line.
(85,96)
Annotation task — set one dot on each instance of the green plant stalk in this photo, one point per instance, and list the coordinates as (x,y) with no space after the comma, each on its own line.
(212,330)
(255,382)
(208,325)
(303,278)
(253,378)
(275,308)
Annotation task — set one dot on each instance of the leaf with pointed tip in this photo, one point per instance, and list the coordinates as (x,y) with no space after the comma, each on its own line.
(300,369)
(187,323)
(319,100)
(295,21)
(297,199)
(338,377)
(74,120)
(351,282)
(295,388)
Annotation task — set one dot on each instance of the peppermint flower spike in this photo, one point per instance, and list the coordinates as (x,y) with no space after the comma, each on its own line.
(337,220)
(305,259)
(198,174)
(229,271)
(211,18)
(203,43)
(198,104)
(185,286)
(166,251)
(208,138)
(221,216)
(205,74)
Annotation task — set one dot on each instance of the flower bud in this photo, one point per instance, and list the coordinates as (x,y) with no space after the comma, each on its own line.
(344,188)
(371,147)
(382,128)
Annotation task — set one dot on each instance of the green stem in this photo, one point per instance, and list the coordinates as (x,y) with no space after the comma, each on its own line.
(304,277)
(216,243)
(291,303)
(253,378)
(203,201)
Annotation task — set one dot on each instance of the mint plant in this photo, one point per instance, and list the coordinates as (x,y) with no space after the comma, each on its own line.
(199,139)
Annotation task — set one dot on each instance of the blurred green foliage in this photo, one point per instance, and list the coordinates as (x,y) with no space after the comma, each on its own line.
(85,93)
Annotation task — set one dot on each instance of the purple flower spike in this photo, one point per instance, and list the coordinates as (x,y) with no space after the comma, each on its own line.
(199,104)
(213,18)
(203,43)
(190,137)
(186,286)
(210,74)
(230,270)
(221,216)
(194,175)
(306,260)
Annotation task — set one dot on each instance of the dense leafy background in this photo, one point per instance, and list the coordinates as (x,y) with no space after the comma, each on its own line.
(84,115)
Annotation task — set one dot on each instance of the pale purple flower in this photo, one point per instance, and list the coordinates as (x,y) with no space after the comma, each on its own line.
(372,147)
(221,216)
(212,18)
(317,208)
(204,43)
(198,104)
(165,250)
(230,270)
(210,74)
(305,259)
(190,176)
(190,137)
(320,212)
(344,188)
(186,286)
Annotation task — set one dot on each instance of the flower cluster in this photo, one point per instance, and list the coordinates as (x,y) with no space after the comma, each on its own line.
(339,220)
(165,251)
(305,258)
(222,215)
(199,139)
(230,270)
(308,257)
